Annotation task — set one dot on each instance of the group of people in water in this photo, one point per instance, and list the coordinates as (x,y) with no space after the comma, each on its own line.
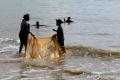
(25,30)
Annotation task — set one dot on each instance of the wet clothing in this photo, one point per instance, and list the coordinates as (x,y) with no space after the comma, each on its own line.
(23,35)
(60,36)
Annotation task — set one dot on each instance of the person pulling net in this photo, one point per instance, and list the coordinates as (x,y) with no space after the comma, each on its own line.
(39,47)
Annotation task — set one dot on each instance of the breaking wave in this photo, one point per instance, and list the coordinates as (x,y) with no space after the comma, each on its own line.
(93,52)
(12,45)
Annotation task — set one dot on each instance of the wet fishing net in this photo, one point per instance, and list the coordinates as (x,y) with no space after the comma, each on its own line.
(42,47)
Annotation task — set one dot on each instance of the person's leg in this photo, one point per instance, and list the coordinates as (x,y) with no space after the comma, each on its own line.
(61,43)
(63,48)
(25,42)
(21,46)
(25,46)
(21,43)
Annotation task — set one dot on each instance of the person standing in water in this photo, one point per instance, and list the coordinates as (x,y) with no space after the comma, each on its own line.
(24,31)
(60,34)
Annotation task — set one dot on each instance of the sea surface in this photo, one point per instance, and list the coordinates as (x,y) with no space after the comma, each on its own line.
(93,39)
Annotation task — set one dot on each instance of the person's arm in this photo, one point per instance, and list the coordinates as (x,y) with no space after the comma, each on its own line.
(33,25)
(31,33)
(54,30)
(42,25)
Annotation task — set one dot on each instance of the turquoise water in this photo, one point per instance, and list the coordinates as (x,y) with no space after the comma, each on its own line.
(96,24)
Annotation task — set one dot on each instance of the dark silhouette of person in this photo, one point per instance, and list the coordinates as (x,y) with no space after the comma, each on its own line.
(37,25)
(24,31)
(69,20)
(60,34)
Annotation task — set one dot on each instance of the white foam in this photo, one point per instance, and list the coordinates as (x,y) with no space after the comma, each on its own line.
(8,78)
(18,41)
(5,39)
(9,39)
(8,48)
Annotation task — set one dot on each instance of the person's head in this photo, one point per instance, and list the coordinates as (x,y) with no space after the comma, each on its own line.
(26,17)
(69,18)
(59,22)
(37,24)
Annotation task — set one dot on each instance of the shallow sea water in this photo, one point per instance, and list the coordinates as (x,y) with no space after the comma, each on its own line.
(92,40)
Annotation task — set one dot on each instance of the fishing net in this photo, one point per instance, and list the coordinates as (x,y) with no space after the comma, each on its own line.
(42,47)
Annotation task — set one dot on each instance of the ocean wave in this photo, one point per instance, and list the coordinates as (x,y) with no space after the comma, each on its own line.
(9,40)
(103,34)
(93,52)
(8,48)
(77,72)
(9,45)
(73,50)
(11,60)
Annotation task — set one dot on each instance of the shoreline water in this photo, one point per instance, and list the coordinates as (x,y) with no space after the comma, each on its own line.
(93,39)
